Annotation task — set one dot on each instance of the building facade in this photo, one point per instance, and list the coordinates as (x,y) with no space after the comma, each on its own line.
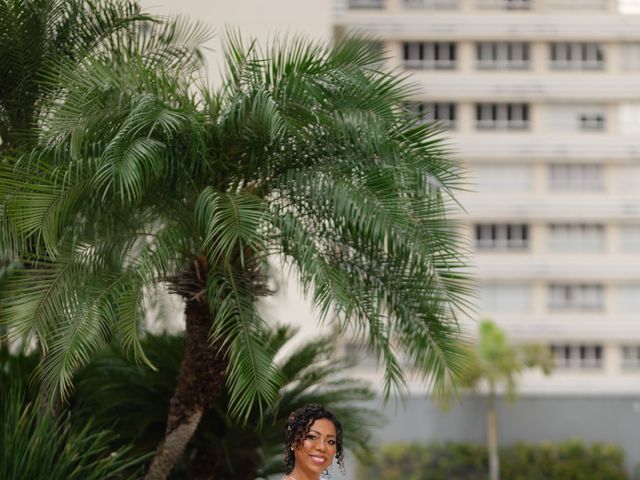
(541,99)
(542,102)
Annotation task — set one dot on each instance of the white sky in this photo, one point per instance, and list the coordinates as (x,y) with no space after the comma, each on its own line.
(629,6)
(260,19)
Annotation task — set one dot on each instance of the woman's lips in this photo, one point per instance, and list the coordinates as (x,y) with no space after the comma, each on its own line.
(318,460)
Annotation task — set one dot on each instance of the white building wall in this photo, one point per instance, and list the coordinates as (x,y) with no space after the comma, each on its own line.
(570,171)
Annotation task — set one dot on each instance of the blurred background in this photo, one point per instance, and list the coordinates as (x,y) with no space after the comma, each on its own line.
(541,102)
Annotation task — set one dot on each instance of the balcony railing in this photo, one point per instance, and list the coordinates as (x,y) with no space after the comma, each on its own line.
(366,4)
(431,4)
(440,64)
(504,4)
(490,124)
(503,64)
(576,4)
(577,64)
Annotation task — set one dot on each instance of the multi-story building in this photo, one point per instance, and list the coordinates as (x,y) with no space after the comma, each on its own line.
(542,102)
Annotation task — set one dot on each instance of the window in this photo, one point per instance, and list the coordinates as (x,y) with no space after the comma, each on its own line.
(432,4)
(516,4)
(628,178)
(576,117)
(502,178)
(503,297)
(591,122)
(629,7)
(576,296)
(630,357)
(502,55)
(629,118)
(504,4)
(576,56)
(429,55)
(576,237)
(502,236)
(366,4)
(630,56)
(576,176)
(577,356)
(444,113)
(502,116)
(630,237)
(628,297)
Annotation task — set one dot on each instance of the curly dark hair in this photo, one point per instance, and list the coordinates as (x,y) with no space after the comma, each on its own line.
(298,425)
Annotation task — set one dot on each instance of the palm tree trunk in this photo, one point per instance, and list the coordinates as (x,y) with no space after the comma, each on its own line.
(200,382)
(492,436)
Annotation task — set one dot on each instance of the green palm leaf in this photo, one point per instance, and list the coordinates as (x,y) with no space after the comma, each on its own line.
(142,176)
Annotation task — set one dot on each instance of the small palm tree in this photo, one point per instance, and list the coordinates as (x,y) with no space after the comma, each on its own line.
(496,363)
(144,176)
(133,400)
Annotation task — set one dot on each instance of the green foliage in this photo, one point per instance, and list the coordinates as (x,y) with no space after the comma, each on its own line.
(570,460)
(493,359)
(134,401)
(38,35)
(306,153)
(36,446)
(16,370)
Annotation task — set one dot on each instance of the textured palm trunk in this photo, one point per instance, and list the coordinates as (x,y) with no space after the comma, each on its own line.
(200,383)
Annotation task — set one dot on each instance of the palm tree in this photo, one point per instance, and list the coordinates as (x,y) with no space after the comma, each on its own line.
(36,36)
(497,363)
(143,176)
(133,401)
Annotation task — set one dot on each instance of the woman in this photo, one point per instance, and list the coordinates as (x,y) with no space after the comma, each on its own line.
(312,438)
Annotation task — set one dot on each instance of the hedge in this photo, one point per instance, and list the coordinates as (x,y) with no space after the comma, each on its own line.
(570,460)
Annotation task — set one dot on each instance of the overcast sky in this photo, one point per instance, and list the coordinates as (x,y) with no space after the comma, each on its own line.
(261,19)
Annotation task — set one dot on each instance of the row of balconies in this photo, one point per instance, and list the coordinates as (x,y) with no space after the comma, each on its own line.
(562,182)
(569,355)
(412,25)
(428,55)
(579,206)
(554,87)
(556,238)
(522,119)
(512,5)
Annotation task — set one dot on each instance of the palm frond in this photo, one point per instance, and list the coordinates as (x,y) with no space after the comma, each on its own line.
(252,378)
(230,223)
(38,446)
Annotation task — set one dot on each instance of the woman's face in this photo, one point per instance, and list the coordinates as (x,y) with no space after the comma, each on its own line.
(318,447)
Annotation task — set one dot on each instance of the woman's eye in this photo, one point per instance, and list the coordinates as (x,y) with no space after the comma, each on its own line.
(332,442)
(311,437)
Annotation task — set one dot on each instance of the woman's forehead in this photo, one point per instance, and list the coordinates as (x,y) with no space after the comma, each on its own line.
(323,426)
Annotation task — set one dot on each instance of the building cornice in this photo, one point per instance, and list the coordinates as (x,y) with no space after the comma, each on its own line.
(484,26)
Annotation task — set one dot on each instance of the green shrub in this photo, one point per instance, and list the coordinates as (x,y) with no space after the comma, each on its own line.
(36,446)
(571,460)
